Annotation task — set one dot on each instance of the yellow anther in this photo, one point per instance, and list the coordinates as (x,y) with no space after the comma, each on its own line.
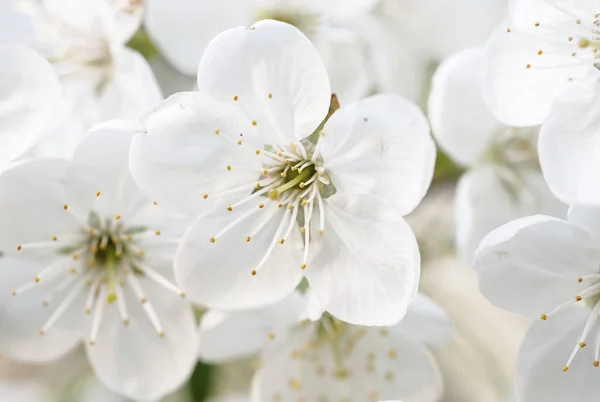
(217,131)
(270,95)
(36,279)
(283,174)
(295,384)
(565,368)
(128,237)
(254,123)
(117,216)
(528,66)
(235,98)
(303,266)
(582,345)
(302,185)
(257,185)
(544,317)
(154,203)
(265,172)
(540,52)
(261,205)
(65,207)
(205,196)
(157,232)
(253,272)
(302,229)
(92,343)
(580,279)
(537,24)
(212,240)
(19,247)
(143,300)
(182,295)
(508,30)
(54,238)
(74,257)
(271,335)
(97,193)
(577,298)
(570,38)
(239,142)
(392,354)
(73,270)
(230,208)
(125,322)
(596,363)
(13,292)
(42,332)
(257,151)
(281,241)
(321,232)
(248,238)
(161,334)
(228,167)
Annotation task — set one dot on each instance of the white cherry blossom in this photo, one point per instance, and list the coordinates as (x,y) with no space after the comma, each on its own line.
(548,270)
(310,359)
(29,92)
(279,195)
(542,49)
(86,256)
(503,180)
(102,78)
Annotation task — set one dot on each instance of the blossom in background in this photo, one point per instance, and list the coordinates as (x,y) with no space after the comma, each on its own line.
(101,77)
(183,29)
(542,49)
(29,91)
(87,256)
(322,356)
(547,270)
(278,194)
(503,181)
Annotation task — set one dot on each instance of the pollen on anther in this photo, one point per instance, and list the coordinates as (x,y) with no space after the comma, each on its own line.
(578,298)
(161,334)
(228,167)
(235,98)
(54,238)
(143,300)
(281,241)
(239,142)
(270,96)
(65,207)
(537,24)
(582,345)
(579,279)
(157,232)
(13,292)
(217,131)
(578,22)
(254,123)
(253,272)
(73,270)
(543,317)
(36,279)
(508,30)
(19,247)
(74,257)
(126,322)
(596,363)
(528,66)
(88,310)
(261,205)
(42,332)
(303,266)
(540,52)
(205,196)
(565,368)
(271,335)
(248,238)
(570,38)
(302,229)
(117,216)
(97,193)
(92,343)
(257,185)
(212,240)
(257,151)
(230,208)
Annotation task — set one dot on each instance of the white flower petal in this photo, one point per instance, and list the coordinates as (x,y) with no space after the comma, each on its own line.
(228,336)
(380,146)
(545,351)
(424,322)
(282,85)
(23,316)
(134,360)
(530,266)
(518,95)
(219,274)
(586,217)
(181,158)
(400,369)
(365,268)
(486,200)
(182,29)
(461,122)
(569,144)
(28,94)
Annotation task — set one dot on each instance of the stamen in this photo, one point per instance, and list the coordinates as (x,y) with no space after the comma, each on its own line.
(63,306)
(148,309)
(121,306)
(292,223)
(159,279)
(98,314)
(589,325)
(253,195)
(273,242)
(91,296)
(321,213)
(234,223)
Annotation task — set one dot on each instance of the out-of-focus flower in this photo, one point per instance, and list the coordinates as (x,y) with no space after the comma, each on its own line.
(322,356)
(182,29)
(102,79)
(547,269)
(570,144)
(542,49)
(86,255)
(281,191)
(503,181)
(29,91)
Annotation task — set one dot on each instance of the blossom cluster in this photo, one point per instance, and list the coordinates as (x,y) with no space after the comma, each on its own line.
(187,186)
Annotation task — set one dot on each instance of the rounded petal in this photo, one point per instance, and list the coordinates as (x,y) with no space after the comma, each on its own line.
(461,122)
(569,145)
(411,373)
(586,217)
(380,146)
(519,95)
(282,85)
(485,199)
(530,266)
(29,90)
(133,90)
(228,336)
(182,29)
(219,274)
(545,351)
(365,268)
(133,360)
(22,316)
(424,322)
(179,158)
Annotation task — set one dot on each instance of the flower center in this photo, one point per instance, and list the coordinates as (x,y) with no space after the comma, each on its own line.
(588,298)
